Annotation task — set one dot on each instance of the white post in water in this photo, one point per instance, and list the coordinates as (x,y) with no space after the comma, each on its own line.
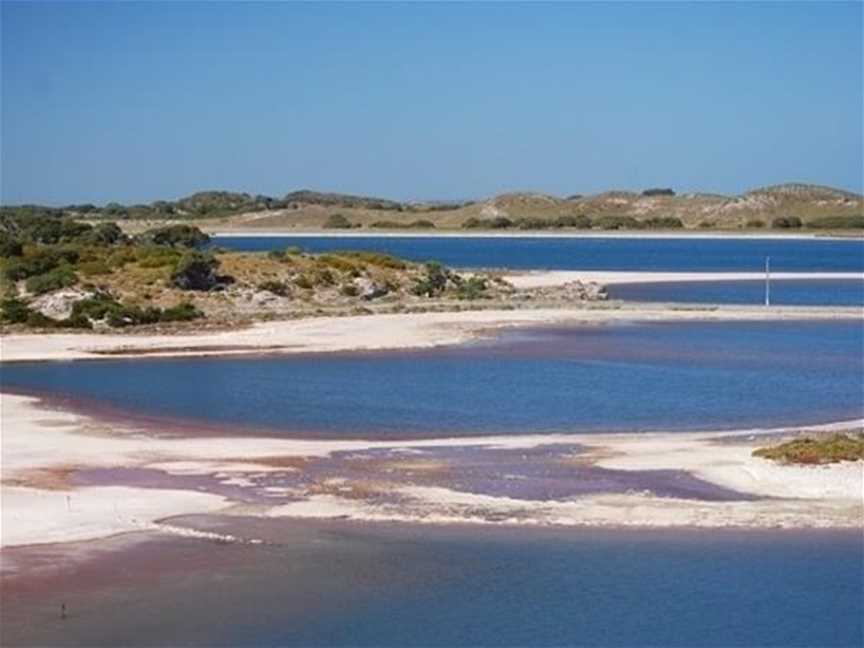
(767,281)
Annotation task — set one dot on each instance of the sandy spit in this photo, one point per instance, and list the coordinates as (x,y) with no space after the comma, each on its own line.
(559,277)
(372,332)
(36,443)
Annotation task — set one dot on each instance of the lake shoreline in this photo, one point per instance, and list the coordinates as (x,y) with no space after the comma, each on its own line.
(378,331)
(43,450)
(612,234)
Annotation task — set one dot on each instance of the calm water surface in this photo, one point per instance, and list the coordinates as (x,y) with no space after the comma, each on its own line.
(669,376)
(683,255)
(349,585)
(798,292)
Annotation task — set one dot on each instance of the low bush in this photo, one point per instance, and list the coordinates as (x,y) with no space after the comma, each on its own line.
(579,221)
(378,259)
(60,277)
(658,191)
(833,449)
(94,268)
(337,221)
(851,221)
(433,282)
(613,222)
(196,271)
(14,311)
(500,222)
(156,257)
(349,290)
(279,288)
(534,223)
(104,307)
(663,222)
(471,288)
(38,261)
(786,222)
(186,236)
(754,223)
(9,245)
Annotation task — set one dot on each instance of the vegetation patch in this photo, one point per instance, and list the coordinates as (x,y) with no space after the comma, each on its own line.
(831,449)
(851,221)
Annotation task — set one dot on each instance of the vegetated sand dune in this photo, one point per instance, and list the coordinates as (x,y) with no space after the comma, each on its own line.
(752,211)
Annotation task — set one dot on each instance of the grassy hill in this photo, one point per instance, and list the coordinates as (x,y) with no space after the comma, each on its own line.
(786,206)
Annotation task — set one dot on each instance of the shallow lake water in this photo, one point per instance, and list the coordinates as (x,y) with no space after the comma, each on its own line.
(340,584)
(614,377)
(690,254)
(797,292)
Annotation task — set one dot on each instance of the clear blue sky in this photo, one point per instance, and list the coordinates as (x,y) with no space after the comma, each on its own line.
(136,102)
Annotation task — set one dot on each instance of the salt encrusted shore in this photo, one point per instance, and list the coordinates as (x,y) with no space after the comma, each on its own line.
(41,449)
(549,278)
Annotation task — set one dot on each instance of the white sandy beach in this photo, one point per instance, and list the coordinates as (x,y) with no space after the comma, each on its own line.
(371,332)
(40,448)
(547,278)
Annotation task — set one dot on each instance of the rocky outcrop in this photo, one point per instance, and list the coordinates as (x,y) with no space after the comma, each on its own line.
(370,289)
(58,304)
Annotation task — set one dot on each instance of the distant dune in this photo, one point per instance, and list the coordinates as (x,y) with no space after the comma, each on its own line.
(785,207)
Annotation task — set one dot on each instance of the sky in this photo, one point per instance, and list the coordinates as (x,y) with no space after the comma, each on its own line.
(134,102)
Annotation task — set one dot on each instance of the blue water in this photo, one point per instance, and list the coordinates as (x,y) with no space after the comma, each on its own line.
(798,292)
(675,376)
(690,254)
(369,585)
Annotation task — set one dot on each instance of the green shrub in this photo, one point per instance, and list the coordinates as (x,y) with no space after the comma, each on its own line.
(39,261)
(152,256)
(433,283)
(500,222)
(421,224)
(833,449)
(14,311)
(755,223)
(182,312)
(195,271)
(349,290)
(786,222)
(60,277)
(94,268)
(304,282)
(104,307)
(471,288)
(337,262)
(276,255)
(38,320)
(9,245)
(104,234)
(534,223)
(851,221)
(579,221)
(276,287)
(186,236)
(337,221)
(323,277)
(663,222)
(378,259)
(613,222)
